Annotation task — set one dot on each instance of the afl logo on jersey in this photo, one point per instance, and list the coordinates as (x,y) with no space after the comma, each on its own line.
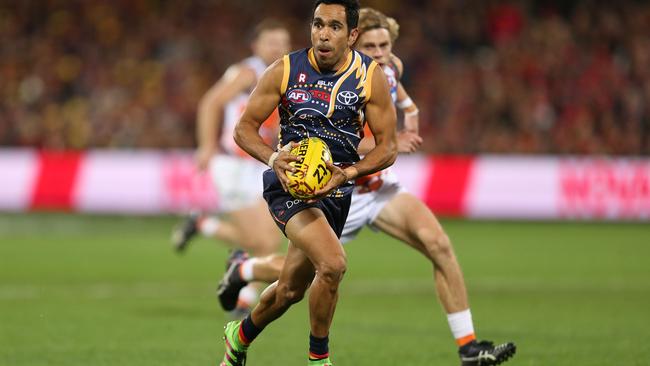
(347,97)
(299,96)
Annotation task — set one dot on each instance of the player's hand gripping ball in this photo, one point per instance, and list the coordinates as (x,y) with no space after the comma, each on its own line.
(311,173)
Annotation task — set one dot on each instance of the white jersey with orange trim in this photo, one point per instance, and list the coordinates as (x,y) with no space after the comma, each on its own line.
(373,181)
(392,75)
(234,109)
(236,175)
(372,192)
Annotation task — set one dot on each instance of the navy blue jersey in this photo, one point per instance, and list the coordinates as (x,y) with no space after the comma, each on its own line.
(329,105)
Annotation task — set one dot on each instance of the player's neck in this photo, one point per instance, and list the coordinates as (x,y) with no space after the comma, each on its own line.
(340,65)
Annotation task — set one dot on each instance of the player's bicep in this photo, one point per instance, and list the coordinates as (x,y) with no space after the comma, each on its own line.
(265,97)
(380,111)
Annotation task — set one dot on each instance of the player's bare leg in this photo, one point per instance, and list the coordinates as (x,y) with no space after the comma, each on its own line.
(407,218)
(262,241)
(312,241)
(258,233)
(235,232)
(234,292)
(208,226)
(267,269)
(274,301)
(316,239)
(289,289)
(315,257)
(240,270)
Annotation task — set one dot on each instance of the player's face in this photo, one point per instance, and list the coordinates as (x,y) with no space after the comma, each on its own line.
(376,43)
(272,44)
(330,36)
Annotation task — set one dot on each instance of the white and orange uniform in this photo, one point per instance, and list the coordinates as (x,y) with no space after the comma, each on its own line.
(236,175)
(372,192)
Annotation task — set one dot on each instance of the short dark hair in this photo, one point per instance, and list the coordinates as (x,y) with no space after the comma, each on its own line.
(351,10)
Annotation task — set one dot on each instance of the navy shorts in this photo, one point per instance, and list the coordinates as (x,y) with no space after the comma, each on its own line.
(283,206)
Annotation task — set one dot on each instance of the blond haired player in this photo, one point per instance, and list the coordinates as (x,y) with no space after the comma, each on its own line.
(381,202)
(237,177)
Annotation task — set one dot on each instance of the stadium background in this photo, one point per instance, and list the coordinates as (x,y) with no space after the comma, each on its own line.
(529,110)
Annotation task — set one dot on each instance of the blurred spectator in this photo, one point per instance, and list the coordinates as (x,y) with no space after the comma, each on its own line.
(497,76)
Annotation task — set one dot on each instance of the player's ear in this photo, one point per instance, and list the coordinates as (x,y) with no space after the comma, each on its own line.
(352,37)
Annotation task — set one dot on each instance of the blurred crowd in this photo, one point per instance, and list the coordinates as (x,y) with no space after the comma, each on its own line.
(495,76)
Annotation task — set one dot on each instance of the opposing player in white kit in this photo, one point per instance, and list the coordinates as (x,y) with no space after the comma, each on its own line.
(380,202)
(238,177)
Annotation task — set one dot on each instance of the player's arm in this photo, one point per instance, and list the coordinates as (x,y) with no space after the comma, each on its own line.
(236,79)
(405,103)
(411,112)
(407,142)
(382,120)
(381,117)
(262,102)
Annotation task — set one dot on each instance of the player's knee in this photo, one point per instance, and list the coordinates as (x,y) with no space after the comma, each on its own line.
(436,243)
(332,269)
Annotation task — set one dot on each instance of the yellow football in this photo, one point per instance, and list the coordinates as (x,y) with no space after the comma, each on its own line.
(312,173)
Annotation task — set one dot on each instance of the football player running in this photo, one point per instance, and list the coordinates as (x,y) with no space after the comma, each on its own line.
(323,91)
(381,202)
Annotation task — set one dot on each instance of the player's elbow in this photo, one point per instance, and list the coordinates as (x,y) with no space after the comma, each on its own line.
(238,135)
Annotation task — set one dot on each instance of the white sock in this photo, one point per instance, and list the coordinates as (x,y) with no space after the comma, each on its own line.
(247,296)
(461,325)
(209,225)
(246,269)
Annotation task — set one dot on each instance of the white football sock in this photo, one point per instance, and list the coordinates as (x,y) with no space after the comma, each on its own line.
(208,226)
(461,324)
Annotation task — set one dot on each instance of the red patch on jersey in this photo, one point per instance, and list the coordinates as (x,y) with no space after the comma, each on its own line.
(319,94)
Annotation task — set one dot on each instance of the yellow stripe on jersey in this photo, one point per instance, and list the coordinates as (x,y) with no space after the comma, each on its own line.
(355,65)
(367,85)
(285,74)
(312,59)
(348,60)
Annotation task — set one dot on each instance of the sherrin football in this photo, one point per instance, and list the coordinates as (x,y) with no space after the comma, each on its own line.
(312,173)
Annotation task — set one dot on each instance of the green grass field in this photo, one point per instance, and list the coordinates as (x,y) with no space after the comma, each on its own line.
(84,290)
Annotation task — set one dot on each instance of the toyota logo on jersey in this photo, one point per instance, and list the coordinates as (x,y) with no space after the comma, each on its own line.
(347,97)
(299,96)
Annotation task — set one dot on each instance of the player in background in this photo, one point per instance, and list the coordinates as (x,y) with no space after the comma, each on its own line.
(236,176)
(323,91)
(380,202)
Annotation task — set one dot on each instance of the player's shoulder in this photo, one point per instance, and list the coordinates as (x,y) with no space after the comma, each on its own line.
(241,71)
(275,71)
(254,65)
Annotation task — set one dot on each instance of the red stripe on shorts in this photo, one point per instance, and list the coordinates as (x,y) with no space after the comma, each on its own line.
(57,174)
